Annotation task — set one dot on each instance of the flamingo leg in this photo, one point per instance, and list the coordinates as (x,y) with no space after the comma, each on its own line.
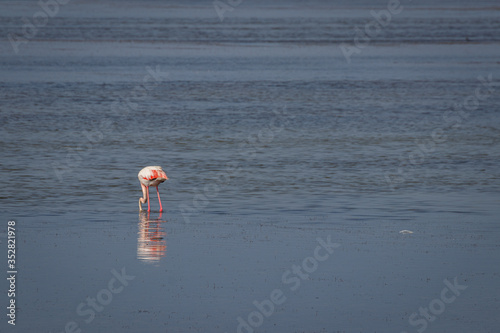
(159,200)
(147,193)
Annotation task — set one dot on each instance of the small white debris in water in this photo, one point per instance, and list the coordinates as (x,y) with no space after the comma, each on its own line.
(406,232)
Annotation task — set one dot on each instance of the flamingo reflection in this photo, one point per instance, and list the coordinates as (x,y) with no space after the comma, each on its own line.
(151,240)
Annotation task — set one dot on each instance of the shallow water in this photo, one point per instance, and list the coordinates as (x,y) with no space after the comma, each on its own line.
(271,140)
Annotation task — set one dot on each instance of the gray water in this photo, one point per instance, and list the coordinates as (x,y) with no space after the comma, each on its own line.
(271,139)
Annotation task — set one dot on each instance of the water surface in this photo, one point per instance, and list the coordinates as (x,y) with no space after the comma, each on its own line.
(271,139)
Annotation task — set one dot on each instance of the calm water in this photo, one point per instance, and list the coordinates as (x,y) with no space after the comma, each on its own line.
(271,139)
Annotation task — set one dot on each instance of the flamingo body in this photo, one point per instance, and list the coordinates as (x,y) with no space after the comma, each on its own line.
(151,176)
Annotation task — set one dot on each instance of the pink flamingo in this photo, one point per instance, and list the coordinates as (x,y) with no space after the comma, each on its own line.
(150,176)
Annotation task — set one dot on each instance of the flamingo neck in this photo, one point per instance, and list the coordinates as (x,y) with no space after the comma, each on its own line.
(144,198)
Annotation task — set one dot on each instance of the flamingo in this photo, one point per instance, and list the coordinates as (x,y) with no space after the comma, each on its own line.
(150,176)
